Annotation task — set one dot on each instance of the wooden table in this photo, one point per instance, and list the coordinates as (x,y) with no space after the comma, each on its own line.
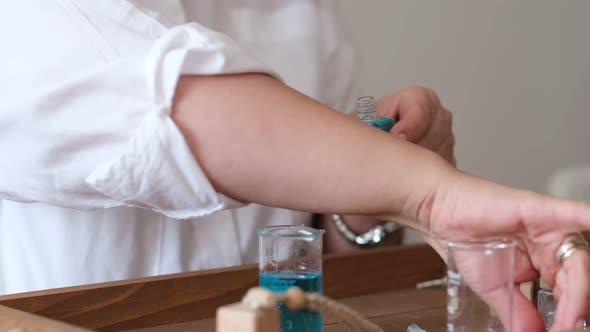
(380,284)
(393,311)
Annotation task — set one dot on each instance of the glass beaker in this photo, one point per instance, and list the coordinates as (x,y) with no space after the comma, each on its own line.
(480,285)
(547,305)
(292,256)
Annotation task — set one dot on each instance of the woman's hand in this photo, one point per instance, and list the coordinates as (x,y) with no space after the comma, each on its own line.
(469,207)
(421,119)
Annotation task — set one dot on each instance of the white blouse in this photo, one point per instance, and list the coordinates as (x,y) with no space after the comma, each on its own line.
(96,181)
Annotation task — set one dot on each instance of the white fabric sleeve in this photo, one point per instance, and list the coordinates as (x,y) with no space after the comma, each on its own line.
(339,88)
(104,137)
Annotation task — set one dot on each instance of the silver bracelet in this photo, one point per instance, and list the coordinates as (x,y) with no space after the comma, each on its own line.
(368,239)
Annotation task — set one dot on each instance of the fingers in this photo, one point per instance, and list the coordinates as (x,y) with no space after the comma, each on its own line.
(414,122)
(431,129)
(447,150)
(573,283)
(549,215)
(440,129)
(522,316)
(439,137)
(414,108)
(525,317)
(548,221)
(421,120)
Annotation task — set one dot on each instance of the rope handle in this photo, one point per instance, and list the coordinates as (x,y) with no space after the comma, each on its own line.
(296,299)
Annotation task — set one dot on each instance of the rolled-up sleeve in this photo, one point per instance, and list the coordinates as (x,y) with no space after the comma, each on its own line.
(104,137)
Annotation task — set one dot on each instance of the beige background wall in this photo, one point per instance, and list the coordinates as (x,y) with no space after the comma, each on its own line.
(516,75)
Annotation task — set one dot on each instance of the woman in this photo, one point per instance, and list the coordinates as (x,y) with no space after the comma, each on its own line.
(137,135)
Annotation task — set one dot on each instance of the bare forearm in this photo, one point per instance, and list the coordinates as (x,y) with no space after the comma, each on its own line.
(260,141)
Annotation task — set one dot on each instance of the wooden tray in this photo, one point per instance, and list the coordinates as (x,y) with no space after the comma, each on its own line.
(189,300)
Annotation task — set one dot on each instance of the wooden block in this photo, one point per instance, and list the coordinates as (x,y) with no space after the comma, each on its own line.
(238,317)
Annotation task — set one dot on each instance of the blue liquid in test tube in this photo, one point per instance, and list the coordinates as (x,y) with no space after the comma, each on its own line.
(291,321)
(291,256)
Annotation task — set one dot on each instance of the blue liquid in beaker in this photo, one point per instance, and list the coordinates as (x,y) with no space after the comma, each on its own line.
(295,321)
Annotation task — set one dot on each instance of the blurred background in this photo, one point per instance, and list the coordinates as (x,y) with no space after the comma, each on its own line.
(515,74)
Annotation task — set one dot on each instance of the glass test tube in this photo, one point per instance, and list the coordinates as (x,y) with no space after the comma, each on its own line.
(480,285)
(292,256)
